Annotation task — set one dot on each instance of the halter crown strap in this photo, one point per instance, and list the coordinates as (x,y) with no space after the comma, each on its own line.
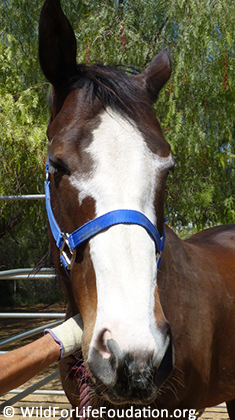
(95,226)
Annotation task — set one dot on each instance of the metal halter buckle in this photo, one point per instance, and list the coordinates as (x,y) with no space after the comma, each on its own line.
(69,259)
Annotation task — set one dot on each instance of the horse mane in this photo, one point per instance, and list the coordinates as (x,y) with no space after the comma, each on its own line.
(114,87)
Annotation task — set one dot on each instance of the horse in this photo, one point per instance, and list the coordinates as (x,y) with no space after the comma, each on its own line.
(158,312)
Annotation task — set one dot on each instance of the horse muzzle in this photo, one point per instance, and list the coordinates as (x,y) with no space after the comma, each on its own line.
(120,378)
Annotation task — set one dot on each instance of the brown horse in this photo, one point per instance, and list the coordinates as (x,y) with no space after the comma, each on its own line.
(158,338)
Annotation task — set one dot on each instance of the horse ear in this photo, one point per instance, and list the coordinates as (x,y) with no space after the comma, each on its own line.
(57,44)
(154,77)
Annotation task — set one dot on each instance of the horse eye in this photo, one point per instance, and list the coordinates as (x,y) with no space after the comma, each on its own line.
(59,166)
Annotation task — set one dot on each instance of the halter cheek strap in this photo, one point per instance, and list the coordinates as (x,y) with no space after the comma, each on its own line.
(67,243)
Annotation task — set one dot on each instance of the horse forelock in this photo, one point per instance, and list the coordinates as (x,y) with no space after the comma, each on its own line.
(114,89)
(112,85)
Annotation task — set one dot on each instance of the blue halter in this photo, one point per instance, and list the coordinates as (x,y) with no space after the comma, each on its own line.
(69,242)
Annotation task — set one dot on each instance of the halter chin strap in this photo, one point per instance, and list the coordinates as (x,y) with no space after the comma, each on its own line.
(67,243)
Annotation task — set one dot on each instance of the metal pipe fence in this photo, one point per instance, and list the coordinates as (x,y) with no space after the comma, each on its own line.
(26,274)
(31,315)
(29,272)
(29,333)
(22,197)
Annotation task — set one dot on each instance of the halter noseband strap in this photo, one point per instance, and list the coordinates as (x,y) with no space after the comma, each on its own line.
(69,242)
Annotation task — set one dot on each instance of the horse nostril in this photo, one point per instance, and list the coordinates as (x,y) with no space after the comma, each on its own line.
(103,358)
(101,343)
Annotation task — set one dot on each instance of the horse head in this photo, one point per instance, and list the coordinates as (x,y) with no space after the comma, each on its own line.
(106,153)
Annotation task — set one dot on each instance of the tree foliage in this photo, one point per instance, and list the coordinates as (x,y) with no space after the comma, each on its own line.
(196,108)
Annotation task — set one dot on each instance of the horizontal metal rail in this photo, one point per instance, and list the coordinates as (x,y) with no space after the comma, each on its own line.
(22,197)
(29,390)
(32,315)
(28,333)
(31,277)
(27,273)
(40,392)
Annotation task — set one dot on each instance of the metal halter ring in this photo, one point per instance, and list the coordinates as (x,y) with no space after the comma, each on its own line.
(63,254)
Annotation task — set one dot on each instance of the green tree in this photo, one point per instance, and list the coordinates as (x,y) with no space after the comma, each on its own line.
(196,109)
(199,119)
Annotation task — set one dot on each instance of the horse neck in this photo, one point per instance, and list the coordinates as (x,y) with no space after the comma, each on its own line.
(174,253)
(174,273)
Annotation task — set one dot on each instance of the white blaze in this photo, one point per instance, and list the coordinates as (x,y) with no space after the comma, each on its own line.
(124,176)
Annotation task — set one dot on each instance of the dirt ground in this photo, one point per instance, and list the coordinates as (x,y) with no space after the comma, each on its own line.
(10,327)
